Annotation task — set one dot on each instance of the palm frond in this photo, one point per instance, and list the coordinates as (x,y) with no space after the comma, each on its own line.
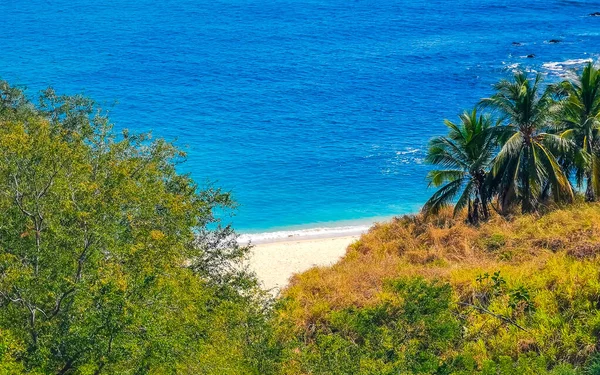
(509,153)
(559,181)
(439,177)
(464,198)
(443,197)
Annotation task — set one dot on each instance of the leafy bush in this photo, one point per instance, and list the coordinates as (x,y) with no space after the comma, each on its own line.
(536,313)
(406,332)
(111,261)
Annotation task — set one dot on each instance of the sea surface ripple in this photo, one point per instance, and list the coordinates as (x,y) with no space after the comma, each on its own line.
(311,112)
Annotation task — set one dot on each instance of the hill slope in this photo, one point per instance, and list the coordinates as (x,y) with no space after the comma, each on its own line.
(438,296)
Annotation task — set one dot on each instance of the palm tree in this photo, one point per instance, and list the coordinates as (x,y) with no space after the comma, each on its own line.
(465,155)
(580,121)
(526,168)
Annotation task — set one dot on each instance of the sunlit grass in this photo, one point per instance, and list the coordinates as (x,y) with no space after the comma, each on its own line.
(552,257)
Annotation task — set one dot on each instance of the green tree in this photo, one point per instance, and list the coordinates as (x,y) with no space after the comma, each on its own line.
(111,261)
(526,168)
(579,120)
(465,154)
(10,349)
(413,332)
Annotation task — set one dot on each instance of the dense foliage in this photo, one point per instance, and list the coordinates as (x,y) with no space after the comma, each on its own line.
(541,138)
(438,296)
(110,261)
(467,152)
(435,294)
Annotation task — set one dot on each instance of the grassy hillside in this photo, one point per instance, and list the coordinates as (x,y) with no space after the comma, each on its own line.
(439,296)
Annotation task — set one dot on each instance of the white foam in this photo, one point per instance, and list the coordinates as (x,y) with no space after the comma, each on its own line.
(513,67)
(320,232)
(564,68)
(560,65)
(409,150)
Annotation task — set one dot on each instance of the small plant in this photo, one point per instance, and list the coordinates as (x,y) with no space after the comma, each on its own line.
(517,296)
(520,298)
(497,284)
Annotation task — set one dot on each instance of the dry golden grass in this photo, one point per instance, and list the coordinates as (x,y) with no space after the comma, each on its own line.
(444,248)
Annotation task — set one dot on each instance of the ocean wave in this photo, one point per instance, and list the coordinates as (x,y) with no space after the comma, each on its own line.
(409,150)
(564,68)
(410,156)
(512,67)
(319,232)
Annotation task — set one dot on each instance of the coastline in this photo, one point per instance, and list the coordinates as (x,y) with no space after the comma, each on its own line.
(303,234)
(277,255)
(322,230)
(276,262)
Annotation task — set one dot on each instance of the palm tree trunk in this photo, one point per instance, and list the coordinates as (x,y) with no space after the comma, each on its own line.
(527,197)
(590,195)
(476,211)
(527,204)
(506,200)
(484,203)
(470,213)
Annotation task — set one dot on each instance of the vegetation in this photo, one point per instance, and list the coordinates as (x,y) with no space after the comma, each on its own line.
(467,152)
(579,121)
(540,139)
(435,294)
(526,168)
(439,296)
(111,262)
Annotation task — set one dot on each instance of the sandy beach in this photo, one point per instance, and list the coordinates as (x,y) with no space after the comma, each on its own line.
(276,262)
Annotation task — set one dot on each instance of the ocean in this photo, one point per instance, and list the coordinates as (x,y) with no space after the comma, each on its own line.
(313,113)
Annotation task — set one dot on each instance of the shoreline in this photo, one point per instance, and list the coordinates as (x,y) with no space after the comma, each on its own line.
(335,229)
(278,255)
(276,262)
(283,236)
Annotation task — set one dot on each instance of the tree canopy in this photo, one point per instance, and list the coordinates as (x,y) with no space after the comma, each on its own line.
(543,146)
(465,154)
(110,260)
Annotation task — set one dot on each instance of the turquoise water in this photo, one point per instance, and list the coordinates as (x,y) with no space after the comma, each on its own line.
(310,112)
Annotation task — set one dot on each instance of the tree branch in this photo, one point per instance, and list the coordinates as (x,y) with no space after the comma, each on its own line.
(497,316)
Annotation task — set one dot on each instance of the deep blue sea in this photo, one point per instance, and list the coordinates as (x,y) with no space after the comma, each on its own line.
(311,112)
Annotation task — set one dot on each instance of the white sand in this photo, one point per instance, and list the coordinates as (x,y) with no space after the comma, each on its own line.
(274,263)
